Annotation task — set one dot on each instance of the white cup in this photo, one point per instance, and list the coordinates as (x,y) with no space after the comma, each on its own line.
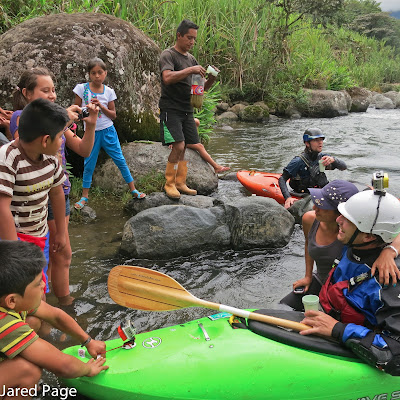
(310,302)
(321,166)
(211,70)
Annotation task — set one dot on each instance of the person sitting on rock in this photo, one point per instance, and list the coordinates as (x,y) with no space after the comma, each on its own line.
(306,170)
(359,311)
(199,147)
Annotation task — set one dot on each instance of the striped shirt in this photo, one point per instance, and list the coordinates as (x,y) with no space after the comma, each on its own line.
(28,182)
(15,334)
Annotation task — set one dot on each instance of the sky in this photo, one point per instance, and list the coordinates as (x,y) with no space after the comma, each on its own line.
(390,5)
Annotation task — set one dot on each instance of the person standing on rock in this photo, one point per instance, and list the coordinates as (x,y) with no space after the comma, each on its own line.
(177,125)
(97,93)
(307,169)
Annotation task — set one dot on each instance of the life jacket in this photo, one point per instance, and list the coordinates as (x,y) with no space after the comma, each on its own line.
(334,302)
(316,179)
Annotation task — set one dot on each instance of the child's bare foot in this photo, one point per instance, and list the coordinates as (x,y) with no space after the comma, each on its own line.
(220,169)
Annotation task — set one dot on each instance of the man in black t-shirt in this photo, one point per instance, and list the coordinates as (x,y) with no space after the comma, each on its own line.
(177,126)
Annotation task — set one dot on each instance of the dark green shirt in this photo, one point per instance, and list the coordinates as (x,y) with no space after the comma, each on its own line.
(177,95)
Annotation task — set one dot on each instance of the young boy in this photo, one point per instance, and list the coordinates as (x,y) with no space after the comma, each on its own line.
(22,353)
(30,174)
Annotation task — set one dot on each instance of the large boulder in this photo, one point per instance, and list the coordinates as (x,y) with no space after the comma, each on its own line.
(360,99)
(172,231)
(144,158)
(323,104)
(64,43)
(241,223)
(258,222)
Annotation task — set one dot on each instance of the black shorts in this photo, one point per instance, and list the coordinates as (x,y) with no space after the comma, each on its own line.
(178,126)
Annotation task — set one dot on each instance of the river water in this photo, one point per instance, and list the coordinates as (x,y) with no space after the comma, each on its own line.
(367,142)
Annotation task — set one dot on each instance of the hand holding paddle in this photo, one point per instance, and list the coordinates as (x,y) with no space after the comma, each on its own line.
(145,289)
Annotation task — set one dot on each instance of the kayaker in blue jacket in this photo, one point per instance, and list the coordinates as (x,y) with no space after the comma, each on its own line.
(359,311)
(304,171)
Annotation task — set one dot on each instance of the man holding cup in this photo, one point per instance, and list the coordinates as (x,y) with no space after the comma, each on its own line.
(307,169)
(177,125)
(359,311)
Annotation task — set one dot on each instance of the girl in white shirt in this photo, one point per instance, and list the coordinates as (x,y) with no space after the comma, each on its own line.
(106,136)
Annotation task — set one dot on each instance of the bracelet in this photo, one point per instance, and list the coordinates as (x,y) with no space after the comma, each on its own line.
(86,342)
(389,246)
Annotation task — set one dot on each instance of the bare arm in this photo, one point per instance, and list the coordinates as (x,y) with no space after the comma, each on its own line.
(170,77)
(78,100)
(385,264)
(45,355)
(307,221)
(83,146)
(109,111)
(62,321)
(7,225)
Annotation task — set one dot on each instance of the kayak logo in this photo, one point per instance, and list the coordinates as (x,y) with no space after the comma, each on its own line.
(151,343)
(383,396)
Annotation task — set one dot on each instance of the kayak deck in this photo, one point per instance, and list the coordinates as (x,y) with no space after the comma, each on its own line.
(179,362)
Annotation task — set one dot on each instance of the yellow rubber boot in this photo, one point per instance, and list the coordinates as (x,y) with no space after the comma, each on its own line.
(170,176)
(181,179)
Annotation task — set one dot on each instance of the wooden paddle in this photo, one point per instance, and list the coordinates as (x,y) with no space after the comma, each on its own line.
(145,289)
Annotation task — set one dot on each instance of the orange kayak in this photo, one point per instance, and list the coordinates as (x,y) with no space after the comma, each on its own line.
(262,184)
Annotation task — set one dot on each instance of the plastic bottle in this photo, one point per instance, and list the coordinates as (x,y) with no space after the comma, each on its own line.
(197,91)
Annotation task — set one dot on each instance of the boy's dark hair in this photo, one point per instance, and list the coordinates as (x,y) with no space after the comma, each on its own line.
(20,262)
(41,117)
(28,81)
(184,27)
(94,62)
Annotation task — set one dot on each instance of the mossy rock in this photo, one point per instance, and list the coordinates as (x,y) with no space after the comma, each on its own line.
(253,113)
(64,43)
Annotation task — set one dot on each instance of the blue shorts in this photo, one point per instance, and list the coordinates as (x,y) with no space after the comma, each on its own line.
(50,215)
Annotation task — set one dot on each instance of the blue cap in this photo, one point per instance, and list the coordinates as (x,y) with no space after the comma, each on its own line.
(332,194)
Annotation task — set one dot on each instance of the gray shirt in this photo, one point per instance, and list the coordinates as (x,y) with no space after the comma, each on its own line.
(323,255)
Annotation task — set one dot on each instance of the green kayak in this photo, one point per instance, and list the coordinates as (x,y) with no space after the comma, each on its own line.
(209,359)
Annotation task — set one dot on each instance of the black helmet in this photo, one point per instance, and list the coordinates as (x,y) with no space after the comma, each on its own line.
(312,133)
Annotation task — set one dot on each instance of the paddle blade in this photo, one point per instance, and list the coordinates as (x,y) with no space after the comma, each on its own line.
(146,289)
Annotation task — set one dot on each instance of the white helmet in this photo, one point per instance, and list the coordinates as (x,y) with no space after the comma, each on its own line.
(373,213)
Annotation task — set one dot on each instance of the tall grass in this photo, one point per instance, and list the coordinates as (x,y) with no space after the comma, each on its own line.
(244,39)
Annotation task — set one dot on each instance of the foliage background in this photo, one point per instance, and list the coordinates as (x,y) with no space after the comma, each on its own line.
(265,49)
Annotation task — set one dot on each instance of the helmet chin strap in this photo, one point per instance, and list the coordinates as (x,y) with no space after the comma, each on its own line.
(353,238)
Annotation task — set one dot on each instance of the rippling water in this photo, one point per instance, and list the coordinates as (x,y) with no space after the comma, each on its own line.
(366,142)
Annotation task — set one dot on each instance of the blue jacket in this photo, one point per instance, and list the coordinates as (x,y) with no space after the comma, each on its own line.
(378,343)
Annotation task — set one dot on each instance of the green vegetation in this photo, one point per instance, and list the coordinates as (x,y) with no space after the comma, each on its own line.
(265,49)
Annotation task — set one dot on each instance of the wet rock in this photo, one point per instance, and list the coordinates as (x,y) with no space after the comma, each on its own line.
(348,99)
(64,43)
(394,96)
(360,99)
(158,199)
(222,107)
(144,158)
(324,104)
(300,207)
(227,116)
(86,213)
(258,222)
(237,108)
(172,231)
(383,103)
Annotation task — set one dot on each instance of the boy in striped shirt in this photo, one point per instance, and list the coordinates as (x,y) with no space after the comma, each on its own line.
(22,353)
(30,174)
